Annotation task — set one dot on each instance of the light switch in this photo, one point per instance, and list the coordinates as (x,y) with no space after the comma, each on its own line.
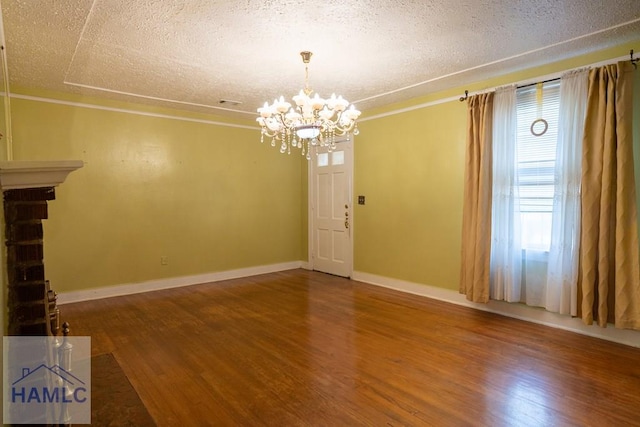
(361,200)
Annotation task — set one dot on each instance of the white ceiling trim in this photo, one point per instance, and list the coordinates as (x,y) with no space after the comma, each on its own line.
(192,54)
(407,109)
(154,98)
(497,62)
(127,111)
(66,80)
(364,119)
(84,28)
(491,89)
(380,95)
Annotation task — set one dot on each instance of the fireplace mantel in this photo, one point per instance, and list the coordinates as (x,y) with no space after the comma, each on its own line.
(18,174)
(26,187)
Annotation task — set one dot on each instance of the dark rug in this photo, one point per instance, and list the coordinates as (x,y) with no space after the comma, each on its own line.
(114,401)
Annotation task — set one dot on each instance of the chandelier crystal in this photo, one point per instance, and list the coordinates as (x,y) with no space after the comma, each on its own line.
(311,122)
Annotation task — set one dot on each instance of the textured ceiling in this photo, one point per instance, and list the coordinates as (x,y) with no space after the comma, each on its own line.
(193,53)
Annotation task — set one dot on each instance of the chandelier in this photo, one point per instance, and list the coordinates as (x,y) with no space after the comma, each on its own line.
(312,122)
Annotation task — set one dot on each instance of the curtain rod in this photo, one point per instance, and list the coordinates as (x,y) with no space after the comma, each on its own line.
(633,60)
(466,92)
(536,83)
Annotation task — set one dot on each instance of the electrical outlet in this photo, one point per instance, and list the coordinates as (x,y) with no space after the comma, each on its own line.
(361,200)
(164,260)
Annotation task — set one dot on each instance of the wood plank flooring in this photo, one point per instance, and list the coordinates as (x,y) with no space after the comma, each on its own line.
(302,348)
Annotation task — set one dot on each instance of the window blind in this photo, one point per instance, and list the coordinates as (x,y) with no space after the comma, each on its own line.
(536,161)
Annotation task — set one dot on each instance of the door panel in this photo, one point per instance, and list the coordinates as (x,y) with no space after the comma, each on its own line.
(331,221)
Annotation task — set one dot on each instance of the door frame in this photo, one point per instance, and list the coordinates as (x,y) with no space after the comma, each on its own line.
(311,196)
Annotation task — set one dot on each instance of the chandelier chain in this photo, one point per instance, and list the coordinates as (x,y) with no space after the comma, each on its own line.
(307,89)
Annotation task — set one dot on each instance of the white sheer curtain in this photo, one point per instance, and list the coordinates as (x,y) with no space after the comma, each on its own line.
(562,270)
(506,251)
(533,275)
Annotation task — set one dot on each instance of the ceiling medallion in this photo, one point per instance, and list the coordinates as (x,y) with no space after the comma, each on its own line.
(312,122)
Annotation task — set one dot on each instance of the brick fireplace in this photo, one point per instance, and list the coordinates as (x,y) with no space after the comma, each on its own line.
(27,187)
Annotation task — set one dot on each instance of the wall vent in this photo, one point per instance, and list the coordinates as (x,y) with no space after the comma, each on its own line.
(229,102)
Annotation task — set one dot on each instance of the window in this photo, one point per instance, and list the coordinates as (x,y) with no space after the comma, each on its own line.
(536,141)
(337,158)
(536,161)
(323,159)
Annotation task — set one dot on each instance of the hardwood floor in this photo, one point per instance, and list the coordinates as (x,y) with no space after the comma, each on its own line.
(302,348)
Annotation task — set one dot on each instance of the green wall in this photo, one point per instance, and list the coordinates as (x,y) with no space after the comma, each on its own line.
(210,198)
(410,169)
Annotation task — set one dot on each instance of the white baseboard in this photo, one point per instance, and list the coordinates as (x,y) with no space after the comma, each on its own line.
(172,282)
(305,265)
(518,311)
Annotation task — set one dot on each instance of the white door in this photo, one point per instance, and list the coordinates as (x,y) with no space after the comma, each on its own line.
(330,210)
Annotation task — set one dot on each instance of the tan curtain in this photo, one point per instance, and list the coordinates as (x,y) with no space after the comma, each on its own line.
(609,261)
(476,212)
